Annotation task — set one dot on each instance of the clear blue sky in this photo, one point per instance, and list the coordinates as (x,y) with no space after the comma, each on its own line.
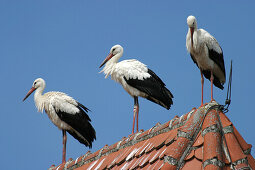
(65,41)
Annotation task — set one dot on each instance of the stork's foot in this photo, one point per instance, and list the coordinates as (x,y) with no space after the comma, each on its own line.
(212,100)
(204,104)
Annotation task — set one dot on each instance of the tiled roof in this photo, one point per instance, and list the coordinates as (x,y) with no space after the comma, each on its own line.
(204,138)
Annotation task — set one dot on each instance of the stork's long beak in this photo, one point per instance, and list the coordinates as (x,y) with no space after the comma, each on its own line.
(191,32)
(106,59)
(29,92)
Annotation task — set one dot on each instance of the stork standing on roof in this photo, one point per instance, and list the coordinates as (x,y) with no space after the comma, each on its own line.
(206,52)
(137,80)
(66,113)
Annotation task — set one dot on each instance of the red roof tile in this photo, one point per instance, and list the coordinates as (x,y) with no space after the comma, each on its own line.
(199,141)
(192,164)
(199,153)
(204,138)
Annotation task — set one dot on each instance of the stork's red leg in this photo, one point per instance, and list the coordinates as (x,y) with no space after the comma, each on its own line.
(137,113)
(212,78)
(133,120)
(64,146)
(136,110)
(202,88)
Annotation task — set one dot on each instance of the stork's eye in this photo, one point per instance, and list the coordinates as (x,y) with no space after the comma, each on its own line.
(34,83)
(113,49)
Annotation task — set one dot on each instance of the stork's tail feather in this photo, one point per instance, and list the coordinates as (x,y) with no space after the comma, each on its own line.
(85,137)
(168,101)
(84,131)
(82,106)
(164,100)
(169,98)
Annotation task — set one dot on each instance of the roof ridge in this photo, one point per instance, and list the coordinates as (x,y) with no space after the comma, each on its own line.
(134,141)
(190,141)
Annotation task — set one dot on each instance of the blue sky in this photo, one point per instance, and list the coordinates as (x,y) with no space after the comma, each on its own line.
(65,41)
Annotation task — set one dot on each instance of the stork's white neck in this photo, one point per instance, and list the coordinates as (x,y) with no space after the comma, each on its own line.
(38,98)
(110,65)
(195,46)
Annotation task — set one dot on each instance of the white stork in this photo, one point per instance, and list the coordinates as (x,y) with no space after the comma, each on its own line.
(206,52)
(137,80)
(66,113)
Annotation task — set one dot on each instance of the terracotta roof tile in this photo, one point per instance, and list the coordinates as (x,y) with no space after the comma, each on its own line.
(211,167)
(171,137)
(124,154)
(199,153)
(99,163)
(204,138)
(157,165)
(152,154)
(162,152)
(167,166)
(192,164)
(176,149)
(224,120)
(159,140)
(251,161)
(210,119)
(234,148)
(160,127)
(92,155)
(199,141)
(155,156)
(114,158)
(241,140)
(137,163)
(212,146)
(150,147)
(145,160)
(191,155)
(143,146)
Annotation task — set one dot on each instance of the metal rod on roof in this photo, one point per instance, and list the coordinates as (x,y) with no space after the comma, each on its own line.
(228,99)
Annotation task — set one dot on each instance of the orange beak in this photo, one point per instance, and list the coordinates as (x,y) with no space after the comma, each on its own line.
(106,59)
(29,92)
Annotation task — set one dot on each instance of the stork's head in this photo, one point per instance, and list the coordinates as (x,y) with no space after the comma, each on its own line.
(115,52)
(192,23)
(38,83)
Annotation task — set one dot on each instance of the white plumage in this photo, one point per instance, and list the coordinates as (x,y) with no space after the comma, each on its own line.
(131,69)
(206,52)
(136,79)
(53,102)
(65,112)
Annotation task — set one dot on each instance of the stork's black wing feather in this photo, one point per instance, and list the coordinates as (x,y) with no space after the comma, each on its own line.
(217,58)
(154,87)
(80,122)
